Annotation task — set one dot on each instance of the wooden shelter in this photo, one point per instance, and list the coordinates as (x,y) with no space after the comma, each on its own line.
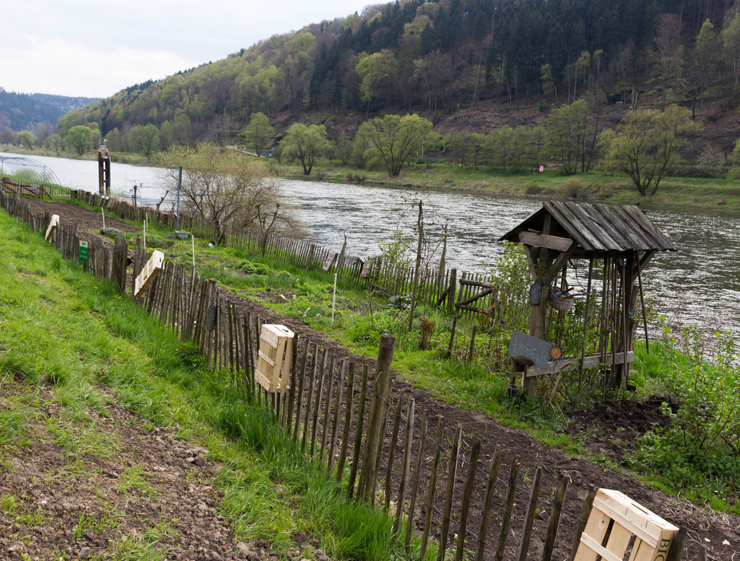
(625,241)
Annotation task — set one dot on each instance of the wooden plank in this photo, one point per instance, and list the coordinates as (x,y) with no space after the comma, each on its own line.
(594,227)
(593,212)
(632,239)
(432,489)
(149,273)
(358,433)
(590,361)
(415,485)
(542,240)
(392,449)
(583,519)
(347,422)
(529,517)
(405,466)
(53,224)
(584,239)
(317,403)
(552,527)
(451,474)
(327,408)
(488,501)
(508,509)
(465,506)
(335,421)
(658,238)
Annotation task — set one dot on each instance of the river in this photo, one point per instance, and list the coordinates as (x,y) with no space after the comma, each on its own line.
(700,282)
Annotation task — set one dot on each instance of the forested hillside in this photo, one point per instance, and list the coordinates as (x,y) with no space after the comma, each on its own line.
(26,111)
(443,56)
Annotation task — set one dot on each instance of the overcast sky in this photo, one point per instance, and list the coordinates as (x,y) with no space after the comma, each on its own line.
(95,49)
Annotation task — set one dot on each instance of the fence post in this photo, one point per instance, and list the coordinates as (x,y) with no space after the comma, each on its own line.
(552,528)
(358,434)
(529,517)
(378,409)
(467,493)
(451,291)
(432,489)
(588,503)
(451,474)
(506,523)
(347,421)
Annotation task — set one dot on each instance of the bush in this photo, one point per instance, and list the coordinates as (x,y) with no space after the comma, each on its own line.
(251,268)
(532,189)
(703,441)
(573,187)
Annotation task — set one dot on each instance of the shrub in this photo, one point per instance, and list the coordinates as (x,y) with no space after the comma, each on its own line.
(251,268)
(573,187)
(532,189)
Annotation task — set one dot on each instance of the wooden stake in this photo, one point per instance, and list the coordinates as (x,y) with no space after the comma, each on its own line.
(508,508)
(415,486)
(451,474)
(491,485)
(529,517)
(552,528)
(432,489)
(358,434)
(406,466)
(347,422)
(465,507)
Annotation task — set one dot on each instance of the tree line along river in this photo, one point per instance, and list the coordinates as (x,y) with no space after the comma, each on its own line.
(698,283)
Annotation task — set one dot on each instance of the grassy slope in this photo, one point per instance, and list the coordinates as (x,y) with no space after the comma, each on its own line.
(62,328)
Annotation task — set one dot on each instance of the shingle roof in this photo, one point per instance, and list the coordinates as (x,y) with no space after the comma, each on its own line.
(600,227)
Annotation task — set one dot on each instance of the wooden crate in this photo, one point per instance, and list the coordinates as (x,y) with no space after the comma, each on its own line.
(148,274)
(275,357)
(53,224)
(626,518)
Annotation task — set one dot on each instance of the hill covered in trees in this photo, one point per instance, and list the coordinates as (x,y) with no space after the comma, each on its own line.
(20,111)
(443,57)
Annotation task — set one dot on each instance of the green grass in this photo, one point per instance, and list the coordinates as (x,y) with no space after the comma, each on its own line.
(62,328)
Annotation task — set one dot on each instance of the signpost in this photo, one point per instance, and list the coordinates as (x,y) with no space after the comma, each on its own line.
(537,350)
(83,251)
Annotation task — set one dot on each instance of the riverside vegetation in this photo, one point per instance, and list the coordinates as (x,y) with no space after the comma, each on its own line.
(696,456)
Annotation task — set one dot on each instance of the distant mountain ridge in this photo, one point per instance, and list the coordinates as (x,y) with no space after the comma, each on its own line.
(19,111)
(442,56)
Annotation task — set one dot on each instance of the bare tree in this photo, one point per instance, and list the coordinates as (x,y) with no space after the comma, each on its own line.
(233,192)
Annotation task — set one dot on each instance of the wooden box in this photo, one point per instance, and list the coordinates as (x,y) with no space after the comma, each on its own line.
(53,224)
(626,518)
(275,357)
(149,273)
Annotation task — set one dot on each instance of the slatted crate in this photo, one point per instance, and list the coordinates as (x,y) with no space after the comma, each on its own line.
(275,357)
(623,518)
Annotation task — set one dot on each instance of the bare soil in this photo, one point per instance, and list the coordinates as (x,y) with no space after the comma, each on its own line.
(85,506)
(610,430)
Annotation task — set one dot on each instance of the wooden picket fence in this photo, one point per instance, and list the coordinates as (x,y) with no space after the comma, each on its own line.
(434,481)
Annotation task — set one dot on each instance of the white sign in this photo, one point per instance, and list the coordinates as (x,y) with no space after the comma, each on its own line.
(542,168)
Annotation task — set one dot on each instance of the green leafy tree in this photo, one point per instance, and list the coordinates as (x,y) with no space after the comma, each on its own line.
(647,145)
(8,136)
(731,47)
(55,141)
(144,140)
(79,138)
(706,54)
(379,73)
(392,140)
(548,84)
(344,148)
(566,134)
(259,133)
(26,139)
(305,143)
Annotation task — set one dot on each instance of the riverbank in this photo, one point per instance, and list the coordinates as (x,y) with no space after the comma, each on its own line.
(131,158)
(678,193)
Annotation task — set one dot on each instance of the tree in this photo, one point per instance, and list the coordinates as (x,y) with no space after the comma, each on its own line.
(668,40)
(259,133)
(566,134)
(55,141)
(731,47)
(378,73)
(705,55)
(305,143)
(26,139)
(144,139)
(8,136)
(233,192)
(43,131)
(80,138)
(548,84)
(391,140)
(647,145)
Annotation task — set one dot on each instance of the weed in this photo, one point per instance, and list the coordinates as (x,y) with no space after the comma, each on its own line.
(134,478)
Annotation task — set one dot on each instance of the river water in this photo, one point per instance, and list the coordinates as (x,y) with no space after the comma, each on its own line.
(700,282)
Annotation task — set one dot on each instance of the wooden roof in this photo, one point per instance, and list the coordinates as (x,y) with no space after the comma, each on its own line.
(597,227)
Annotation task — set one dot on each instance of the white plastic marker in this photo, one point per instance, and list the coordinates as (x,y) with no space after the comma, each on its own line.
(334,300)
(145,232)
(103,211)
(192,237)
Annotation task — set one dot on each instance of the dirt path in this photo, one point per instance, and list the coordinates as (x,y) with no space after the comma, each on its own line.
(718,532)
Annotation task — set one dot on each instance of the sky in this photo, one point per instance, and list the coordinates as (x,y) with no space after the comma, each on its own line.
(95,49)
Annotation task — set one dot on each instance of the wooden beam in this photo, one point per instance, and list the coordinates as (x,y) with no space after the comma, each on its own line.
(528,253)
(148,273)
(53,224)
(550,242)
(556,266)
(573,363)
